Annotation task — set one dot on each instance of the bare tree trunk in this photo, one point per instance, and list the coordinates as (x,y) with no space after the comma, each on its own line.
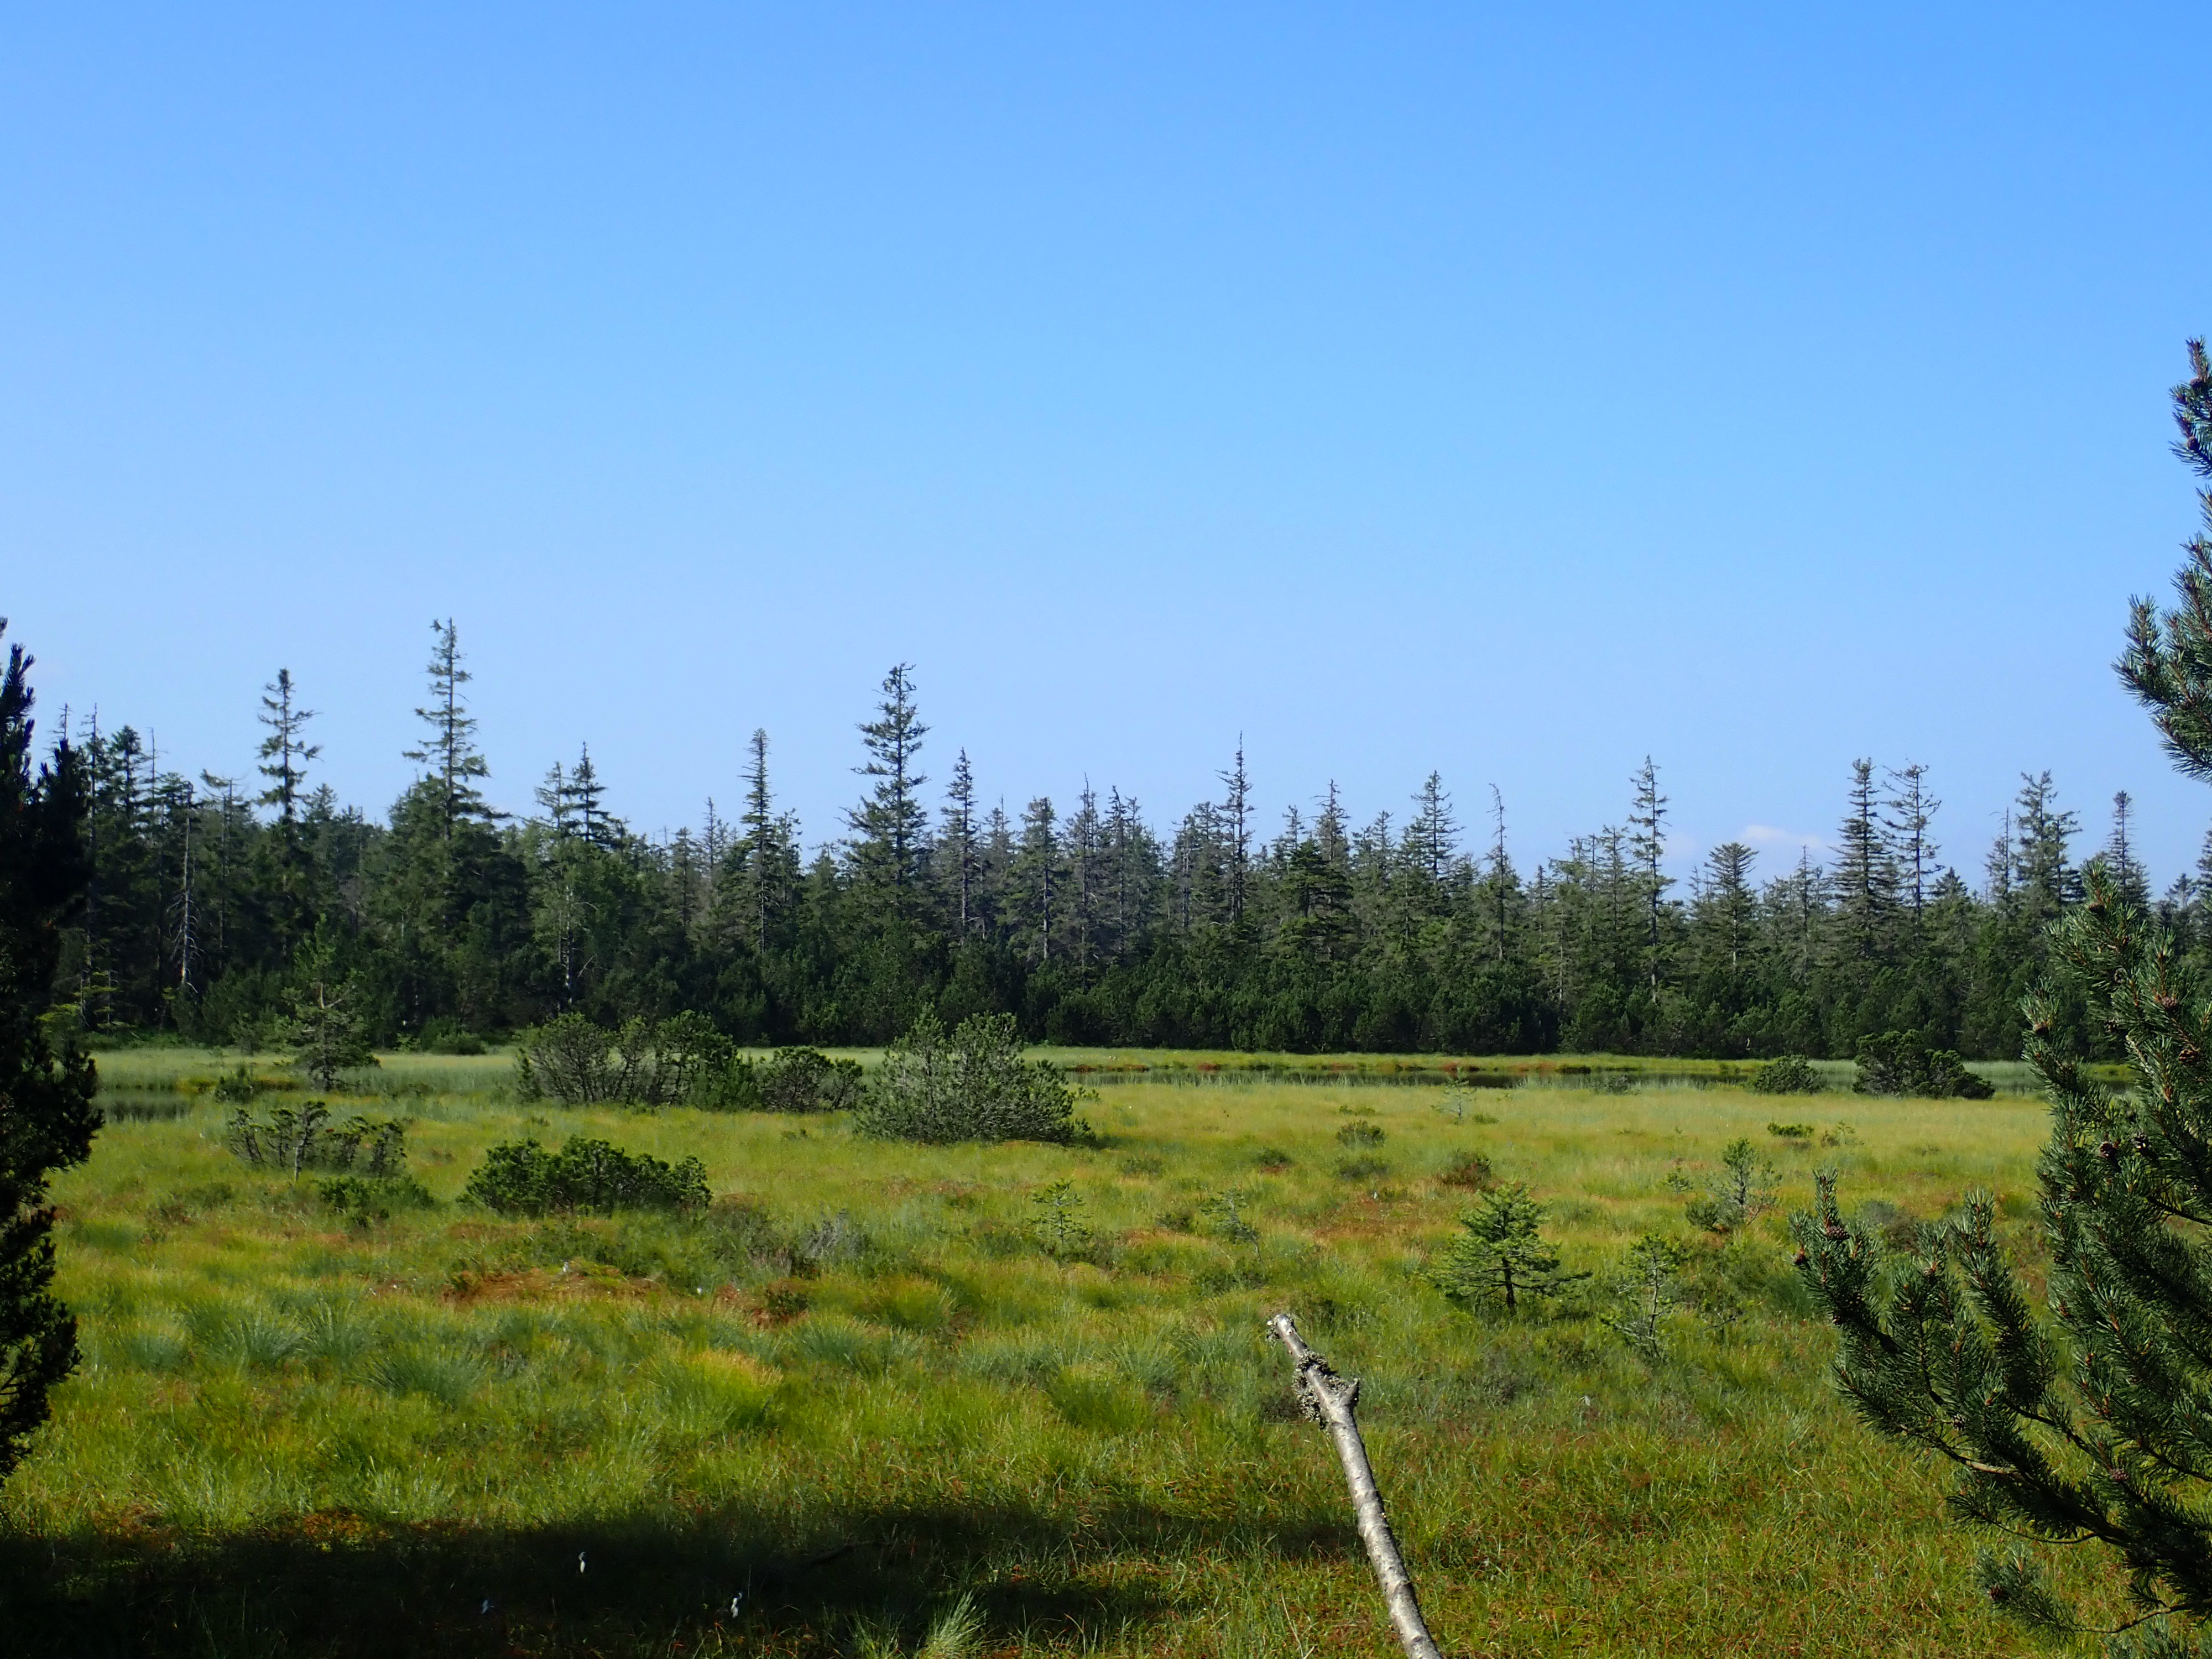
(1328,1399)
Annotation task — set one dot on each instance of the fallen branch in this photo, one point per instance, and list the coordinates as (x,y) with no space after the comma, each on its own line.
(1328,1399)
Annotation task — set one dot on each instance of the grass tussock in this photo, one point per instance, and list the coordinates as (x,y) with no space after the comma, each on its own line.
(877,1398)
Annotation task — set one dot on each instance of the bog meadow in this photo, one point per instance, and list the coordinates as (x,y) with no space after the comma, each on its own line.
(878,1397)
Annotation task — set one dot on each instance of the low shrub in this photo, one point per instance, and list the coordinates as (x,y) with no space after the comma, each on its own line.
(1790,1131)
(972,1084)
(1361,1134)
(1471,1170)
(523,1178)
(239,1089)
(1225,1214)
(296,1138)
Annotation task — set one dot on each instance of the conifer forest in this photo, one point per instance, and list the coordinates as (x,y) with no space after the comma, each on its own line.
(216,898)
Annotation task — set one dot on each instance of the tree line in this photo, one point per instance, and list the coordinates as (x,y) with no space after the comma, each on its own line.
(215,899)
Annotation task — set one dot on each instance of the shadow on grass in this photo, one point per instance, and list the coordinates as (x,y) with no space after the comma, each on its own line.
(334,1585)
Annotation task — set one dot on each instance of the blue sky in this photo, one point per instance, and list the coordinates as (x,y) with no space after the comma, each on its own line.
(1512,391)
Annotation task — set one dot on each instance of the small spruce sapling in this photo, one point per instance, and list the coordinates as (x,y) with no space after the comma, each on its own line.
(1643,1291)
(325,1034)
(1225,1211)
(1502,1255)
(1740,1193)
(1059,1224)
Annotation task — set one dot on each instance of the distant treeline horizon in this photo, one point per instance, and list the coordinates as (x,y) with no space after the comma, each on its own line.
(449,918)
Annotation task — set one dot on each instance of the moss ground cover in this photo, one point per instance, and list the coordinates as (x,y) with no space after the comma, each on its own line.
(873,1378)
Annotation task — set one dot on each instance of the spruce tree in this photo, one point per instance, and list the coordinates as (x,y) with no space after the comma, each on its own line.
(1501,1255)
(285,751)
(1647,843)
(1912,810)
(961,860)
(891,828)
(1237,823)
(2134,882)
(1866,873)
(46,1114)
(450,750)
(2088,1424)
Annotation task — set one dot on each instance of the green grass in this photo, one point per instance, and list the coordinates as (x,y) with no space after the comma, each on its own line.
(869,1392)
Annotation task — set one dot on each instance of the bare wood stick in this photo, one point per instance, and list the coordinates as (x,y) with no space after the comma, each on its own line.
(1328,1399)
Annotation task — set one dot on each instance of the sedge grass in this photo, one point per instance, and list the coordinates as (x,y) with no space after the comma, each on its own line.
(456,1433)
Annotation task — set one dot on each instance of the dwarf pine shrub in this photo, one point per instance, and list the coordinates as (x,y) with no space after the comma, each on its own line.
(1898,1063)
(971,1085)
(1792,1074)
(293,1139)
(807,1080)
(640,1062)
(523,1178)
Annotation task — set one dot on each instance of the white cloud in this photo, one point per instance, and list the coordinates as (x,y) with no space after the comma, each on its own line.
(1765,834)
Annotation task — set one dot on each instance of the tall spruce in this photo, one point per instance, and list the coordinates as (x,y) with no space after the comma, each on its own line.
(2086,1424)
(46,1086)
(1647,844)
(285,751)
(450,751)
(1237,826)
(890,827)
(957,837)
(1909,814)
(2127,872)
(1866,873)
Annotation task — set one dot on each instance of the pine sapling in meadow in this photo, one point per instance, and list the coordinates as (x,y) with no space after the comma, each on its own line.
(2089,1423)
(1502,1256)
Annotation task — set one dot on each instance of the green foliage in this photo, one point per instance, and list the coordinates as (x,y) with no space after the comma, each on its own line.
(1360,1137)
(971,1085)
(1898,1063)
(292,1138)
(523,1178)
(1658,1277)
(1501,1255)
(46,1115)
(640,1062)
(1791,1074)
(1742,1190)
(1790,1131)
(456,927)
